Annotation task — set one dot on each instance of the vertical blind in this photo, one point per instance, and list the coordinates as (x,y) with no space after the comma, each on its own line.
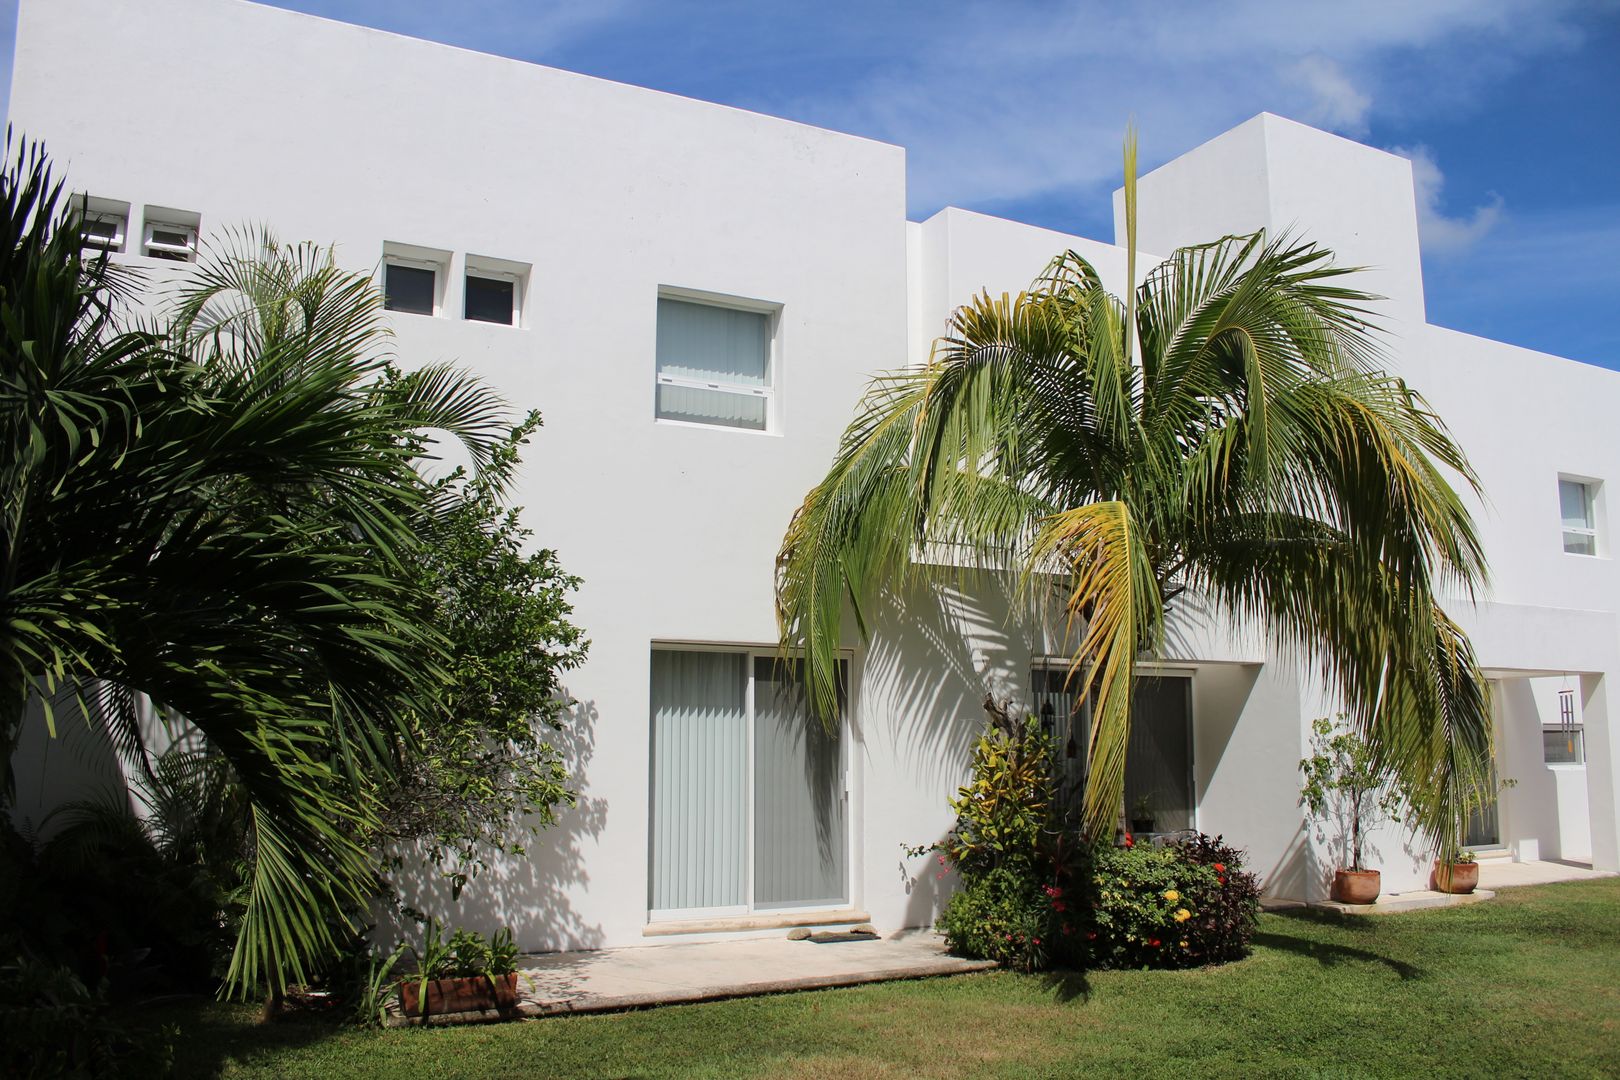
(699,781)
(700,805)
(721,348)
(798,795)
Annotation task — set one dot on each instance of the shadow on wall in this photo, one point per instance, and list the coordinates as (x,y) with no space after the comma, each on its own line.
(531,893)
(934,654)
(928,882)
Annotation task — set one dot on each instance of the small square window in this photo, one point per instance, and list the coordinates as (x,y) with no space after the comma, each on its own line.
(412,289)
(1577,505)
(714,365)
(103,223)
(170,234)
(492,300)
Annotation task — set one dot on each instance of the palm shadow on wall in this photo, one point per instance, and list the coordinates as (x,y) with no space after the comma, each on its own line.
(530,893)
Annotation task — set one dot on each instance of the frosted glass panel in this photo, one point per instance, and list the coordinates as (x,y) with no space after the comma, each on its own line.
(1158,760)
(1573,503)
(798,796)
(702,406)
(699,783)
(713,344)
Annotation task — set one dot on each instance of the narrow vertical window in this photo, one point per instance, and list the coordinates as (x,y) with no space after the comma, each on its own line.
(1577,507)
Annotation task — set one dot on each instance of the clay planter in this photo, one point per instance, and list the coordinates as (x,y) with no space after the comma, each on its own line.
(1462,877)
(1356,886)
(471,994)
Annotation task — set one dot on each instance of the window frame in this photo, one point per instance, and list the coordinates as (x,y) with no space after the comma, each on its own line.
(772,313)
(748,908)
(491,269)
(1572,727)
(1591,490)
(170,219)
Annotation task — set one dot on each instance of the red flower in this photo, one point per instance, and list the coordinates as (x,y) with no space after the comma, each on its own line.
(1128,841)
(1155,942)
(1220,868)
(1091,935)
(1037,941)
(1058,905)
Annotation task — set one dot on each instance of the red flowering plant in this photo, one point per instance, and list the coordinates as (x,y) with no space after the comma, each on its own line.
(1177,906)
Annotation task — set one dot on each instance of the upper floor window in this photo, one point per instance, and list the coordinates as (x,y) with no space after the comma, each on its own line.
(493,290)
(413,278)
(103,223)
(715,364)
(1577,504)
(170,234)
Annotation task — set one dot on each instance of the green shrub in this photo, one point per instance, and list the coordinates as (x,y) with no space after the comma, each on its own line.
(53,1025)
(1178,906)
(1020,866)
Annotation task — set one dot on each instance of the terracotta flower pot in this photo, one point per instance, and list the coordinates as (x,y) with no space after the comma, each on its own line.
(473,993)
(1356,886)
(1462,877)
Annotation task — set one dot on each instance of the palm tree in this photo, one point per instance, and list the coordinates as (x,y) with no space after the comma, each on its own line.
(206,515)
(1255,456)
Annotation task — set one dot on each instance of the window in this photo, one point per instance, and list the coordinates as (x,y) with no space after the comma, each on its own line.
(170,234)
(714,364)
(748,807)
(409,288)
(1577,504)
(1566,743)
(1159,782)
(103,223)
(494,291)
(413,278)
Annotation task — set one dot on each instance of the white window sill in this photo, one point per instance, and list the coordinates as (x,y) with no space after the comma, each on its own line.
(726,428)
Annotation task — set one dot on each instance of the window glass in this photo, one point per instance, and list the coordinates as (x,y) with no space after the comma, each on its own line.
(701,405)
(408,288)
(1561,746)
(714,365)
(490,300)
(1575,508)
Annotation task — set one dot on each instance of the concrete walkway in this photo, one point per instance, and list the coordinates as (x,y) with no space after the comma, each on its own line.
(607,979)
(1494,873)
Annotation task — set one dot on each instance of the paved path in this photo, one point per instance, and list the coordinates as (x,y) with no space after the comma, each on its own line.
(1504,873)
(607,979)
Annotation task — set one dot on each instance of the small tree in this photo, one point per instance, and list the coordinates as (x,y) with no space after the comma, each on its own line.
(1342,781)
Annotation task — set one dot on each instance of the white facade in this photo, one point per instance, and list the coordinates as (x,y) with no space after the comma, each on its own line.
(597,199)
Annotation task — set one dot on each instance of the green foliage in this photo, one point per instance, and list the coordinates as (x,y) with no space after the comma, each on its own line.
(52,1025)
(198,515)
(1020,865)
(1344,781)
(1175,906)
(1251,453)
(485,773)
(465,954)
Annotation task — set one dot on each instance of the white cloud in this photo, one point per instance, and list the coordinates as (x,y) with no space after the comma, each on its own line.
(1339,106)
(1443,235)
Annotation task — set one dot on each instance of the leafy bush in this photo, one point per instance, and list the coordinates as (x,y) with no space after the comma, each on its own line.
(54,1025)
(1019,864)
(1182,905)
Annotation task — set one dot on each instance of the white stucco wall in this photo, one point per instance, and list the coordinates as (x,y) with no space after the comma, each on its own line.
(609,193)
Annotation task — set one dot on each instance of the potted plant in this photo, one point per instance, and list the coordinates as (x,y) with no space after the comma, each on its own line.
(1342,784)
(1142,816)
(468,973)
(1460,875)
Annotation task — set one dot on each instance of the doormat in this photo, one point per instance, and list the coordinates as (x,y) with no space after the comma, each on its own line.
(831,937)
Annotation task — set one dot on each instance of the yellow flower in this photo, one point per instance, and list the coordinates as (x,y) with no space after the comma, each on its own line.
(1182,915)
(1172,896)
(1183,943)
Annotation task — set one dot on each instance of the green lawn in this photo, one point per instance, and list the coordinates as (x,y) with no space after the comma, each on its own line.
(1527,985)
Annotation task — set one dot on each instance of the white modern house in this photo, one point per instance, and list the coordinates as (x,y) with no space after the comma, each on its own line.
(695,297)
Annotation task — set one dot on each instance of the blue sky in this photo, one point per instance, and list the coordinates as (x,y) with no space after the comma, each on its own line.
(1510,108)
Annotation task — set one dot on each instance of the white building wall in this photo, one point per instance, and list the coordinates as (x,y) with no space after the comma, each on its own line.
(608,192)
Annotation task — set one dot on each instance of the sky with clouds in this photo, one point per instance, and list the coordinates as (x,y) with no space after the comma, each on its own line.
(1509,109)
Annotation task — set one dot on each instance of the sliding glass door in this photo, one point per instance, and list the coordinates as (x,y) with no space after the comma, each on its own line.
(749,807)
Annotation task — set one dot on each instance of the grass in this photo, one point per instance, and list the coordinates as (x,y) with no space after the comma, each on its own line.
(1527,985)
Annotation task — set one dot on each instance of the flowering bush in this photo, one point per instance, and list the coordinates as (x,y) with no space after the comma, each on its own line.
(1179,906)
(1021,869)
